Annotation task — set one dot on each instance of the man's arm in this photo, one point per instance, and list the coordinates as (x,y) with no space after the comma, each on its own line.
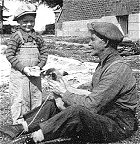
(108,87)
(86,86)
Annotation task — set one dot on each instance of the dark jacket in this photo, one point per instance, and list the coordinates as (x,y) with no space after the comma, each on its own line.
(112,83)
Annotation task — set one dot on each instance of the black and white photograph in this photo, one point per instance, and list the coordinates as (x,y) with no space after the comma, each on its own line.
(69,71)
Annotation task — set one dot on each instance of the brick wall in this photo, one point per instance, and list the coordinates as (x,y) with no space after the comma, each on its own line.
(121,7)
(92,9)
(78,10)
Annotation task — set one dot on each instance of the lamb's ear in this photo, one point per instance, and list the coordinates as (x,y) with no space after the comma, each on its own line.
(65,73)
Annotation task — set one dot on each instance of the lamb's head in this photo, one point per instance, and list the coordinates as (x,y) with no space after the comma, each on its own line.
(54,74)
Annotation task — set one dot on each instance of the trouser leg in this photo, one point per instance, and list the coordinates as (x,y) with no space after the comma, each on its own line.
(71,122)
(48,110)
(80,121)
(15,93)
(41,113)
(35,92)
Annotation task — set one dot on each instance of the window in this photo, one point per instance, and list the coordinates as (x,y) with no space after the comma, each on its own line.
(123,21)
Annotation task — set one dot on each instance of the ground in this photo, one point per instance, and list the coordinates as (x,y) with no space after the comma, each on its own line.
(5,115)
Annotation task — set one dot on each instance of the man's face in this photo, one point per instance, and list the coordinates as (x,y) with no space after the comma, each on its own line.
(96,44)
(27,23)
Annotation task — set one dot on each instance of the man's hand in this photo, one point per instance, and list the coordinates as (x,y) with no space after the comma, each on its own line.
(38,136)
(27,71)
(57,87)
(61,87)
(24,124)
(60,103)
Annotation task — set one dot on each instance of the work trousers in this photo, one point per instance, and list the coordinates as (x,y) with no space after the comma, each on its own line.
(80,122)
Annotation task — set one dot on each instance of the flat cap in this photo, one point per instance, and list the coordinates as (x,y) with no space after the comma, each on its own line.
(107,30)
(24,10)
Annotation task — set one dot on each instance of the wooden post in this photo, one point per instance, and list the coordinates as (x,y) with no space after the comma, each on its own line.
(57,15)
(1,21)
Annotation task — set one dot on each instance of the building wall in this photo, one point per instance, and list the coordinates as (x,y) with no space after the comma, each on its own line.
(79,28)
(134,26)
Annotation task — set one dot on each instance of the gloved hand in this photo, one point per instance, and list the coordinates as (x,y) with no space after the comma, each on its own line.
(38,136)
(27,71)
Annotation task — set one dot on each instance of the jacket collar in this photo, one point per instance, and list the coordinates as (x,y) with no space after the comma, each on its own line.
(110,54)
(26,36)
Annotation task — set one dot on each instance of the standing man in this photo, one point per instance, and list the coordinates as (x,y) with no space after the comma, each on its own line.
(104,114)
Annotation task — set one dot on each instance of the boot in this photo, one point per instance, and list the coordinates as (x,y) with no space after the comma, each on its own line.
(23,139)
(11,130)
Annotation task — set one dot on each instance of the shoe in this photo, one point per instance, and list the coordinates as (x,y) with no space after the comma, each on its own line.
(4,137)
(23,139)
(11,130)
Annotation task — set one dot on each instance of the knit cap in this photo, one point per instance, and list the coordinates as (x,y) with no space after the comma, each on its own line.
(107,30)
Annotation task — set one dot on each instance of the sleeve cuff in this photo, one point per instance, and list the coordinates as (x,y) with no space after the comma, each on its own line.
(66,95)
(41,64)
(20,67)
